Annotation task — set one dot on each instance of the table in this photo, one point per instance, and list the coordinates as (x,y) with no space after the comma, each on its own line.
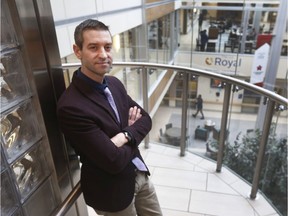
(173,132)
(209,125)
(173,135)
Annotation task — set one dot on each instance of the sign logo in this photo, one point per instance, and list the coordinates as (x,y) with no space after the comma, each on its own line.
(223,62)
(209,61)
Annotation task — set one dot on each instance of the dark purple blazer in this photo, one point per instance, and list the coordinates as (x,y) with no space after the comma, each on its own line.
(88,123)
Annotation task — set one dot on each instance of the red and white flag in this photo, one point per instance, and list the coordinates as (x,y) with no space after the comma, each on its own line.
(260,64)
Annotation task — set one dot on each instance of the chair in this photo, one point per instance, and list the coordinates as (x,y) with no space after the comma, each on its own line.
(227,45)
(169,125)
(201,133)
(248,47)
(211,47)
(232,43)
(174,141)
(216,134)
(211,152)
(162,137)
(198,45)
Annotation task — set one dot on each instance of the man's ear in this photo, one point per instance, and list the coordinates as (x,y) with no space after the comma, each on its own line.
(77,51)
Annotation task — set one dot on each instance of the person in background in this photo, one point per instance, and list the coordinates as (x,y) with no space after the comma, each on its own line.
(204,39)
(199,106)
(105,127)
(233,34)
(251,34)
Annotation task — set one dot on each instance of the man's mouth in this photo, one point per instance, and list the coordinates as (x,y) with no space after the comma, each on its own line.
(102,62)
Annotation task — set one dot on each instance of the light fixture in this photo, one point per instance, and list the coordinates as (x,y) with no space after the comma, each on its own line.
(116,42)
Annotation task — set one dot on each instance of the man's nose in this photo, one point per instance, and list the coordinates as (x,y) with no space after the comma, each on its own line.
(102,53)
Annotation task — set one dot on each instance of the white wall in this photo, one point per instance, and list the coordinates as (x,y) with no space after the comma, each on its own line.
(225,63)
(67,9)
(110,5)
(80,10)
(178,4)
(124,21)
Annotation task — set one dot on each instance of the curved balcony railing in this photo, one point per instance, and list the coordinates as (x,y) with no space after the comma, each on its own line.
(273,104)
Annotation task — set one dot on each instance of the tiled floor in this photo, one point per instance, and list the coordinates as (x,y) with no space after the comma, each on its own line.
(190,186)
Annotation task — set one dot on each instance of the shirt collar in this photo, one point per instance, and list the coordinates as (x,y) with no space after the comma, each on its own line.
(94,84)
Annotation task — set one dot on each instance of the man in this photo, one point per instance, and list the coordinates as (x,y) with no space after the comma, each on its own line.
(199,105)
(114,177)
(204,39)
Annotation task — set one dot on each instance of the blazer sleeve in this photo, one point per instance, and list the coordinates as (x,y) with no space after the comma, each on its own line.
(143,125)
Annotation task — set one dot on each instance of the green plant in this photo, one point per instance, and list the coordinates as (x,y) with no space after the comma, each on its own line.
(241,156)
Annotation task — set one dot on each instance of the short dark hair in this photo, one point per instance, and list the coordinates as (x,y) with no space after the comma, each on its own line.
(88,24)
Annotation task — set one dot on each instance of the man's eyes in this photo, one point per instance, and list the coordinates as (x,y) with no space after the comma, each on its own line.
(107,48)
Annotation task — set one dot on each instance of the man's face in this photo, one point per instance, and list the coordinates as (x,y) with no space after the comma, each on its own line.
(96,54)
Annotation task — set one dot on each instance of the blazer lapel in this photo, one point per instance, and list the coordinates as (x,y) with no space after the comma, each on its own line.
(95,96)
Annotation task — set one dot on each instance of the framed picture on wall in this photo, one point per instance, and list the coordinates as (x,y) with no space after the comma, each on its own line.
(215,83)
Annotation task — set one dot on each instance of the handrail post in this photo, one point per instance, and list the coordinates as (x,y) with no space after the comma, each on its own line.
(145,100)
(262,146)
(223,128)
(184,114)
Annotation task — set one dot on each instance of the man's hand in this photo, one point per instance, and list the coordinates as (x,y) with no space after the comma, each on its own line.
(119,139)
(134,115)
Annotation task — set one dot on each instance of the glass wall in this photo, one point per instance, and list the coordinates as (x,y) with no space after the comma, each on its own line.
(231,27)
(223,37)
(160,44)
(160,41)
(123,46)
(241,139)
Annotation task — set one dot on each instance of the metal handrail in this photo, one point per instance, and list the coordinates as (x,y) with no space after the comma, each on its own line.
(69,201)
(198,72)
(76,191)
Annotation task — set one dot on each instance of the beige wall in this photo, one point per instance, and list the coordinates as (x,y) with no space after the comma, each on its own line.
(153,99)
(158,11)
